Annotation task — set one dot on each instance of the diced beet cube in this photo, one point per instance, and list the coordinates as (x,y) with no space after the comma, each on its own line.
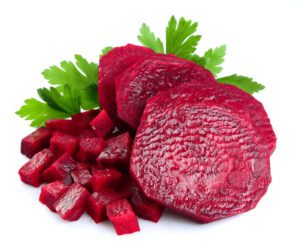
(83,119)
(72,204)
(30,172)
(82,177)
(90,148)
(127,187)
(61,168)
(102,124)
(109,177)
(117,151)
(82,166)
(35,142)
(87,133)
(51,192)
(61,143)
(98,201)
(145,208)
(96,167)
(65,126)
(122,216)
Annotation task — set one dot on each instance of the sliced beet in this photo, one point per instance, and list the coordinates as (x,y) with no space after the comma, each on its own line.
(117,152)
(102,124)
(30,172)
(61,168)
(196,154)
(90,148)
(61,143)
(122,216)
(83,119)
(98,201)
(144,80)
(105,178)
(51,192)
(35,142)
(82,177)
(65,126)
(110,66)
(72,204)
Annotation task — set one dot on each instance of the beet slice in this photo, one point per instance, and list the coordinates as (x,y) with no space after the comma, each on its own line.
(83,119)
(110,66)
(142,81)
(196,154)
(105,178)
(61,143)
(30,172)
(90,148)
(51,192)
(61,168)
(65,126)
(71,205)
(122,216)
(35,142)
(102,124)
(98,201)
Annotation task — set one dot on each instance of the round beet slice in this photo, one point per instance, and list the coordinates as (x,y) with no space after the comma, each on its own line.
(111,65)
(198,155)
(143,80)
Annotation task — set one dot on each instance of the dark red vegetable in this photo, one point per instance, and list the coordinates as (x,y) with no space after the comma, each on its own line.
(61,143)
(105,178)
(90,148)
(102,124)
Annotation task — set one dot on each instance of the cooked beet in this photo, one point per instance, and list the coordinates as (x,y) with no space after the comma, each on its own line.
(110,66)
(105,178)
(90,148)
(35,142)
(83,119)
(87,133)
(102,124)
(122,216)
(61,168)
(61,143)
(98,201)
(51,192)
(82,177)
(117,152)
(30,172)
(127,187)
(72,204)
(65,126)
(198,155)
(142,81)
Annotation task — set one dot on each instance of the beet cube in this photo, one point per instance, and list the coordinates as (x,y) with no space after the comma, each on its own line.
(117,151)
(127,187)
(87,133)
(30,172)
(82,177)
(145,208)
(61,143)
(72,204)
(65,126)
(59,169)
(90,148)
(35,142)
(102,124)
(98,201)
(83,166)
(51,192)
(122,216)
(83,119)
(105,178)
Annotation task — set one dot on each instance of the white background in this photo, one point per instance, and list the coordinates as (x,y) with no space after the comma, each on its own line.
(263,41)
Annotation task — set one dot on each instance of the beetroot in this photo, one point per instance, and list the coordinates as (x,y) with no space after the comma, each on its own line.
(35,142)
(82,177)
(83,119)
(73,203)
(142,81)
(202,153)
(122,216)
(90,148)
(98,201)
(65,126)
(30,172)
(105,178)
(87,133)
(61,143)
(51,192)
(127,187)
(59,169)
(110,66)
(102,124)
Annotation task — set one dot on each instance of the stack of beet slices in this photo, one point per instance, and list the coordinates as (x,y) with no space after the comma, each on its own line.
(168,136)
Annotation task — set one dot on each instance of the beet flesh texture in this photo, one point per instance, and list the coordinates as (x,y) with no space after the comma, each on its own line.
(105,178)
(144,80)
(61,143)
(35,142)
(102,124)
(90,148)
(198,151)
(110,66)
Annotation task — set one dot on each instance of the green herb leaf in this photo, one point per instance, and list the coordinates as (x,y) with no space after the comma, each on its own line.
(105,50)
(244,83)
(180,39)
(148,39)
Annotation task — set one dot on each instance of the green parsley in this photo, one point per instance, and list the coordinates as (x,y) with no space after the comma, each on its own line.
(148,39)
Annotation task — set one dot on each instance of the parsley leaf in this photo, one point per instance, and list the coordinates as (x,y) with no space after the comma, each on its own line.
(244,83)
(180,39)
(105,50)
(148,39)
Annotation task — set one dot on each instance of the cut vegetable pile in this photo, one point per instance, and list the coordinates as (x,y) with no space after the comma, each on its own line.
(168,134)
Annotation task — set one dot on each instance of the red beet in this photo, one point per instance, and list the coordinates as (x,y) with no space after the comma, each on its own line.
(87,133)
(73,203)
(61,143)
(102,124)
(59,169)
(105,178)
(127,187)
(35,142)
(51,192)
(82,177)
(122,216)
(98,201)
(83,119)
(90,148)
(30,172)
(65,126)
